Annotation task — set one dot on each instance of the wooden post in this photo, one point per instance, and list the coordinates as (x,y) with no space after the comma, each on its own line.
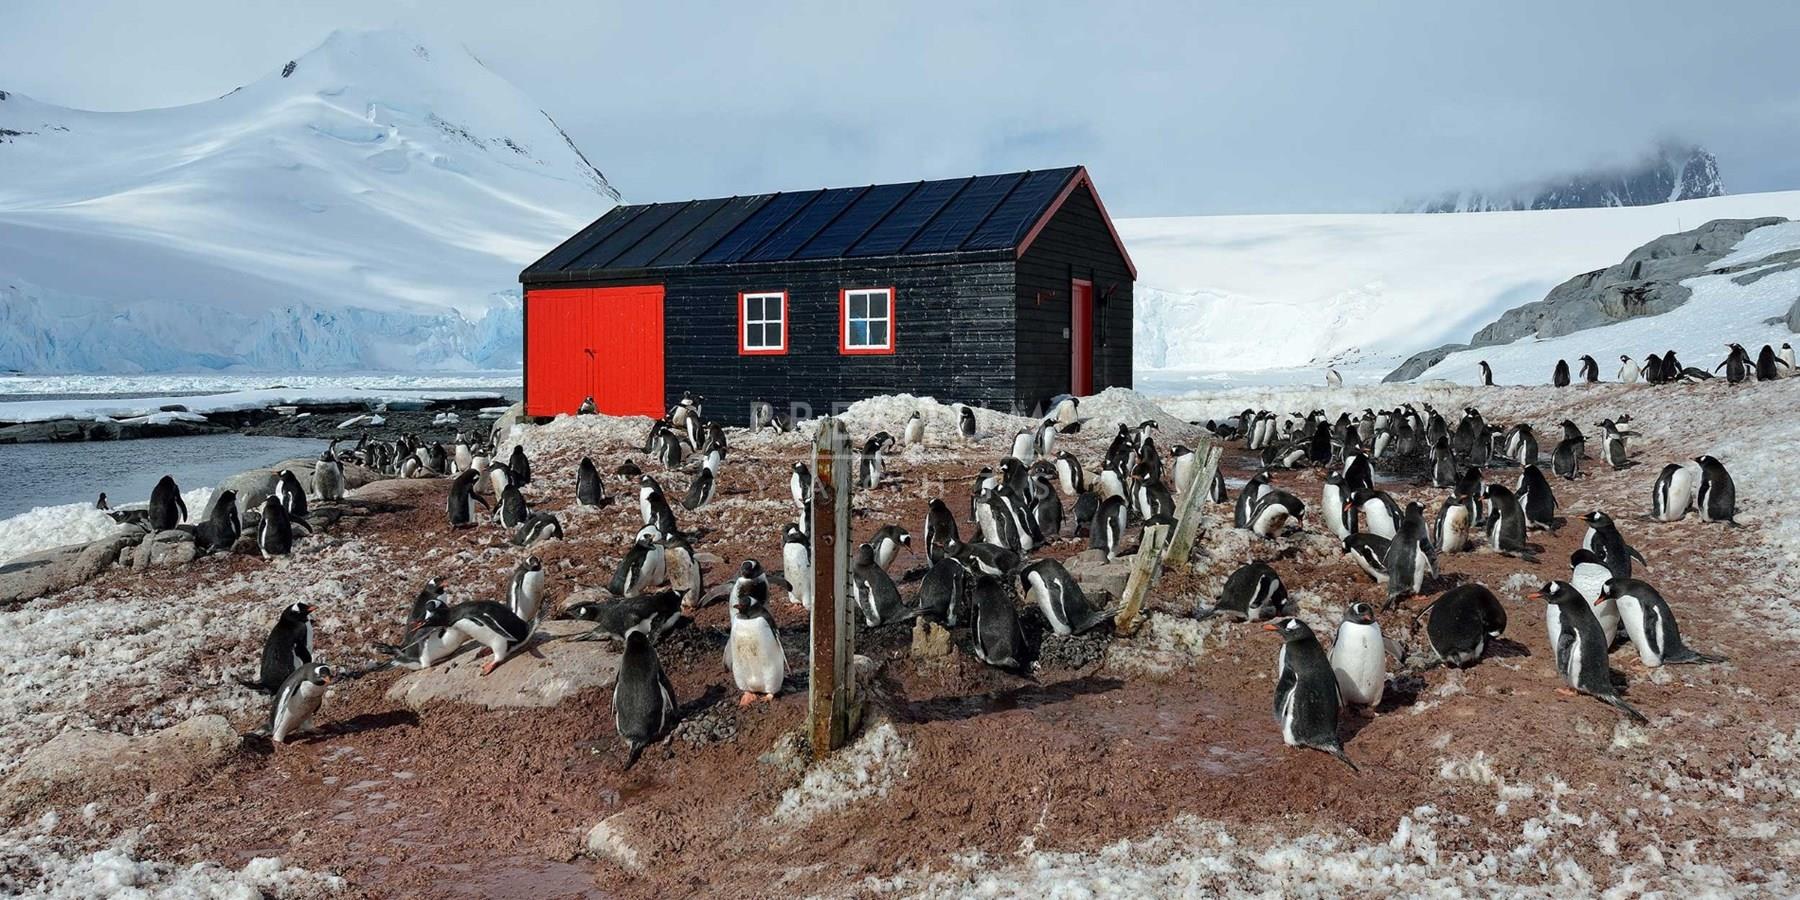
(1187,519)
(831,694)
(1144,567)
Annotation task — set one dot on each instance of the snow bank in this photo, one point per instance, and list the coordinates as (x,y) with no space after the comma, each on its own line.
(234,401)
(1271,296)
(35,862)
(47,527)
(867,768)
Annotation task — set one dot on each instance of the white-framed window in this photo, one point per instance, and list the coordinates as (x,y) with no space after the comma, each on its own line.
(762,323)
(867,316)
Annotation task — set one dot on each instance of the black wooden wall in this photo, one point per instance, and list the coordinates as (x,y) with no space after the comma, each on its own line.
(953,333)
(1075,243)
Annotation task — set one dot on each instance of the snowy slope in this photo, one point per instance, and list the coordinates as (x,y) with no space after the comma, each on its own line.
(368,206)
(1256,297)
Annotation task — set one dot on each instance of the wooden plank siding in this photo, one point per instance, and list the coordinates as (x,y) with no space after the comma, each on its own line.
(953,332)
(1075,243)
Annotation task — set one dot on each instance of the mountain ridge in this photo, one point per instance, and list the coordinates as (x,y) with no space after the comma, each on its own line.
(1670,172)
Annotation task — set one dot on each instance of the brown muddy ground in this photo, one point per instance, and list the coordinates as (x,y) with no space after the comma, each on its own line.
(456,801)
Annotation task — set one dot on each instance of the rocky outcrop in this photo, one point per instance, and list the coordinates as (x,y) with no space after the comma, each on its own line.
(174,547)
(562,669)
(1793,316)
(1647,283)
(84,765)
(30,577)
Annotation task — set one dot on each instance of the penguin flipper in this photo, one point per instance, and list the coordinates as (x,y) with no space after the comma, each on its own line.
(1690,656)
(1618,702)
(779,580)
(1633,553)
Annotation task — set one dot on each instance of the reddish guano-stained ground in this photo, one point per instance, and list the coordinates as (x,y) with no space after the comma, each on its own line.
(1135,766)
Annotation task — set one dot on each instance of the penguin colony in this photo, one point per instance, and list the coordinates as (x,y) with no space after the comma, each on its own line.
(976,566)
(1770,364)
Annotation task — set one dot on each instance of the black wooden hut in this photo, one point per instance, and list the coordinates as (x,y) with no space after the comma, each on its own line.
(995,290)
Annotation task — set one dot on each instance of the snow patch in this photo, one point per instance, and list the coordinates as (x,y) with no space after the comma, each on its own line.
(870,767)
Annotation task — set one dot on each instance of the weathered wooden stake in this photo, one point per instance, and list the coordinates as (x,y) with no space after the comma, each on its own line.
(1143,572)
(1187,519)
(831,695)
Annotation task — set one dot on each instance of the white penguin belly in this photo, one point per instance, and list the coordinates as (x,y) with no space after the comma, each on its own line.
(1681,495)
(757,661)
(798,570)
(1359,659)
(296,714)
(1631,614)
(1380,522)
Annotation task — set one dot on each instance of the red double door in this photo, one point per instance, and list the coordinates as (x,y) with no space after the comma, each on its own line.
(605,343)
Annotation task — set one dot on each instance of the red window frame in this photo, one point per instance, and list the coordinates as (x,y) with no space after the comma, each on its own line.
(743,348)
(893,340)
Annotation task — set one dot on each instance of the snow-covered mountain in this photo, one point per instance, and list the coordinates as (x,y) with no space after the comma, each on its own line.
(1669,172)
(365,206)
(1236,299)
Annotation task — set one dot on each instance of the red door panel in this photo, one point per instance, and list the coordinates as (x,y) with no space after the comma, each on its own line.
(626,325)
(557,354)
(1081,338)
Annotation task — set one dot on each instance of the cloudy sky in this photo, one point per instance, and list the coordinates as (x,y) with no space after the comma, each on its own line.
(1178,108)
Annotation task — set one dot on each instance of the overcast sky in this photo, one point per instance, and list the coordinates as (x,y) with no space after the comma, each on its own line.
(1177,108)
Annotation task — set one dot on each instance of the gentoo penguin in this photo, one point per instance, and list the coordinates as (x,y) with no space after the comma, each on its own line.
(1604,539)
(888,542)
(1786,353)
(1768,366)
(1369,552)
(1560,377)
(1359,657)
(462,453)
(275,533)
(1717,496)
(291,494)
(1536,498)
(1046,507)
(298,700)
(1306,692)
(1505,521)
(511,511)
(657,613)
(499,476)
(1069,474)
(1184,462)
(1333,379)
(1376,510)
(1581,648)
(1252,593)
(1737,364)
(1653,370)
(872,465)
(588,490)
(654,507)
(800,484)
(101,503)
(1272,513)
(1588,575)
(914,431)
(965,422)
(1590,369)
(681,567)
(167,509)
(422,602)
(641,566)
(1443,463)
(1061,599)
(1107,530)
(999,642)
(753,651)
(874,592)
(940,529)
(643,700)
(1409,560)
(462,499)
(796,564)
(1612,445)
(1454,518)
(1024,445)
(525,594)
(1651,624)
(943,593)
(1332,502)
(491,625)
(1251,492)
(1462,622)
(1487,374)
(1067,408)
(1216,493)
(222,526)
(288,648)
(1566,459)
(1673,493)
(1628,370)
(328,475)
(587,407)
(700,492)
(519,465)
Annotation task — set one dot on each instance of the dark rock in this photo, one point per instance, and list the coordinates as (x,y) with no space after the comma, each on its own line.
(1419,362)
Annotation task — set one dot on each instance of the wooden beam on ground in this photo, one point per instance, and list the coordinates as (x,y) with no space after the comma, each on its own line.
(1144,568)
(1193,502)
(832,706)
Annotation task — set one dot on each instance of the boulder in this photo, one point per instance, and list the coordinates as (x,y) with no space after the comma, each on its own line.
(503,426)
(39,574)
(625,838)
(1793,316)
(174,547)
(84,764)
(1416,364)
(545,674)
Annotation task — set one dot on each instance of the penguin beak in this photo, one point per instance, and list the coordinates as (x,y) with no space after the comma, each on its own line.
(1271,626)
(1536,595)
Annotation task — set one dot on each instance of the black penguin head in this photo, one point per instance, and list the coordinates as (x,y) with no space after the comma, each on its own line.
(1585,557)
(750,569)
(1706,460)
(270,501)
(865,555)
(643,540)
(1613,589)
(1558,592)
(1598,519)
(434,587)
(320,673)
(533,564)
(1291,630)
(298,610)
(791,533)
(1360,613)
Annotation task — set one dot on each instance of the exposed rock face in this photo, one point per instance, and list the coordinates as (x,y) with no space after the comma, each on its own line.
(1793,316)
(39,574)
(87,764)
(174,547)
(1647,283)
(559,670)
(1670,172)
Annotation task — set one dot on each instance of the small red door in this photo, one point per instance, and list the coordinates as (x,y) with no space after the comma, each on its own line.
(1081,338)
(605,343)
(557,353)
(627,329)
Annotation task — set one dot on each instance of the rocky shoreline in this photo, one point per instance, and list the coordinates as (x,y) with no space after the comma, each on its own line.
(429,420)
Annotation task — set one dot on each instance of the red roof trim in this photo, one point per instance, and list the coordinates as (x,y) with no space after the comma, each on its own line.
(1081,179)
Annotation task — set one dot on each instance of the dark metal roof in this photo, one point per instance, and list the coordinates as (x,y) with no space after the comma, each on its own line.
(984,213)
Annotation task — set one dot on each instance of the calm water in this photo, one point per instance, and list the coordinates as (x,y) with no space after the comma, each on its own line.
(51,474)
